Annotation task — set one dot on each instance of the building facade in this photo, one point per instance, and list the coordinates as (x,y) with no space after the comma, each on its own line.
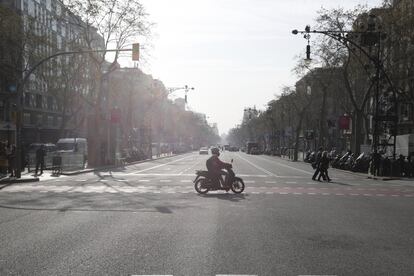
(57,86)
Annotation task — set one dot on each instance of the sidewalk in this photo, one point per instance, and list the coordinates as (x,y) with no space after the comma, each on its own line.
(5,181)
(47,174)
(369,176)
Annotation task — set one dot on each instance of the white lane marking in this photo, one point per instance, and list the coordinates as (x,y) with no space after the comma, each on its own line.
(143,180)
(236,275)
(186,181)
(256,166)
(270,182)
(165,180)
(103,180)
(252,175)
(80,180)
(286,166)
(161,165)
(249,181)
(291,182)
(192,166)
(311,193)
(151,275)
(255,193)
(297,193)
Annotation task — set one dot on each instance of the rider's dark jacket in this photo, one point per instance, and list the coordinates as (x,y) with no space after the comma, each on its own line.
(215,165)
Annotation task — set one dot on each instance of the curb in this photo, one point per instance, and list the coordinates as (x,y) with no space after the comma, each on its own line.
(12,181)
(383,178)
(116,166)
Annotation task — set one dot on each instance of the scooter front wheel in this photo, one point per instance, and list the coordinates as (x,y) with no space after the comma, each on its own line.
(200,186)
(237,186)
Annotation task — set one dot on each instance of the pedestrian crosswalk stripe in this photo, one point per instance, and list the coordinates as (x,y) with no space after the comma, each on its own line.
(236,275)
(97,188)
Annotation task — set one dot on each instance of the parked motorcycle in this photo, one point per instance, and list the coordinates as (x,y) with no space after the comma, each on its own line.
(204,184)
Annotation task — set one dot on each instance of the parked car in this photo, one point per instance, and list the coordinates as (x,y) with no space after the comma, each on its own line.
(31,155)
(203,150)
(73,145)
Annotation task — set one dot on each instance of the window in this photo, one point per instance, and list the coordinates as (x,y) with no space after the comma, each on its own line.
(27,101)
(406,112)
(39,101)
(50,103)
(26,118)
(50,120)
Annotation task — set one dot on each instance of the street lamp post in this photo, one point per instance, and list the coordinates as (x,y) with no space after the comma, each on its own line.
(370,37)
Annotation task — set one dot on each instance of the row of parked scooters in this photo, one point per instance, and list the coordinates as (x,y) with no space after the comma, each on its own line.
(348,161)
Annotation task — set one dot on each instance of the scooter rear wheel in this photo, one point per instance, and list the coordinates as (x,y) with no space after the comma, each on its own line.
(237,186)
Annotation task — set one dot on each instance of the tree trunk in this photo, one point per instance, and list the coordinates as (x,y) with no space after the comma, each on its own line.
(322,121)
(298,129)
(357,125)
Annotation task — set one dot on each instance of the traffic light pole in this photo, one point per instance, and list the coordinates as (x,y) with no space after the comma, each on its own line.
(20,91)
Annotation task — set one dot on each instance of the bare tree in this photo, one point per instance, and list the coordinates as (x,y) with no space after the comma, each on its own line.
(106,24)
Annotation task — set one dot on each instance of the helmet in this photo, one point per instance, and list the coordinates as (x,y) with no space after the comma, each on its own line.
(215,151)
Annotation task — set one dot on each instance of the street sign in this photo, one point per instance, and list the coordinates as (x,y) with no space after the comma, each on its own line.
(135,51)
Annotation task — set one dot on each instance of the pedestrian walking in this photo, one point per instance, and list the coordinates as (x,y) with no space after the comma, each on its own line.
(316,163)
(400,165)
(12,160)
(324,166)
(40,159)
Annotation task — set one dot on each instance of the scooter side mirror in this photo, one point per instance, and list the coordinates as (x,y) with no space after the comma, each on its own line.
(232,161)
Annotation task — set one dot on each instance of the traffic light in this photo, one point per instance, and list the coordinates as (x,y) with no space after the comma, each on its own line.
(135,51)
(308,52)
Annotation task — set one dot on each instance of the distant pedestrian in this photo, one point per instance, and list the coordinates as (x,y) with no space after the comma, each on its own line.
(12,160)
(40,159)
(324,166)
(410,166)
(400,165)
(316,163)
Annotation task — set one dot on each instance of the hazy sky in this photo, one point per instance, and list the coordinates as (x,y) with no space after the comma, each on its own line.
(236,53)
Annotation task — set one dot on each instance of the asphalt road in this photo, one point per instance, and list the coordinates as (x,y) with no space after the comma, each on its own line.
(146,219)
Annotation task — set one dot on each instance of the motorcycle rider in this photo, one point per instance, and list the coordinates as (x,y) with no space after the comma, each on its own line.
(215,167)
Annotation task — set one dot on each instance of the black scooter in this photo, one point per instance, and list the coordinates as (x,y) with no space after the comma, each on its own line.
(204,184)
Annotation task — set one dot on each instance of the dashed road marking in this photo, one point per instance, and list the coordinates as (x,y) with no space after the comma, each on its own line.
(270,182)
(165,180)
(256,166)
(143,180)
(291,182)
(249,181)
